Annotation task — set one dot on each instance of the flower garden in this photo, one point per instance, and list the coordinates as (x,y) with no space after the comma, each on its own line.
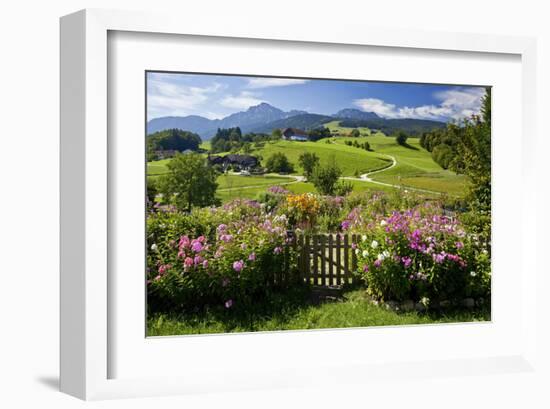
(215,269)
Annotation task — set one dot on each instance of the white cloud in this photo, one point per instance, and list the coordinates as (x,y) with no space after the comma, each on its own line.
(273,82)
(243,100)
(173,98)
(455,104)
(377,106)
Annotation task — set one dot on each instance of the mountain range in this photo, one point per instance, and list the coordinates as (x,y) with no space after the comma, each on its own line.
(265,117)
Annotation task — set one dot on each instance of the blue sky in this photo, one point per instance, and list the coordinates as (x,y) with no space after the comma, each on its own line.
(216,96)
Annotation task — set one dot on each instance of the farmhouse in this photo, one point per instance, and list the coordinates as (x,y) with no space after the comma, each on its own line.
(293,134)
(165,154)
(239,162)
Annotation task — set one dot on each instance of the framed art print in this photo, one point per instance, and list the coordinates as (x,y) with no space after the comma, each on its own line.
(238,202)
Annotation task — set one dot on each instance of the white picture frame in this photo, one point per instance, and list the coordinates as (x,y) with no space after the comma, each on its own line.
(86,330)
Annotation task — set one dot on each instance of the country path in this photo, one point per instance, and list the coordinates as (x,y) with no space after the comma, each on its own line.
(366,177)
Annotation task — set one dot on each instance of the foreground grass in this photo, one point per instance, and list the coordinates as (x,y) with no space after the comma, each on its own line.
(295,311)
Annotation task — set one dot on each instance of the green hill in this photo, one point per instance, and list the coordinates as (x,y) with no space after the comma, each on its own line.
(352,160)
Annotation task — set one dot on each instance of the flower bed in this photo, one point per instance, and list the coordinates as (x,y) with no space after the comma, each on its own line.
(420,255)
(227,256)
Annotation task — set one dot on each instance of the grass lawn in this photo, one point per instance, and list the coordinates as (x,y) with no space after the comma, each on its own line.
(295,311)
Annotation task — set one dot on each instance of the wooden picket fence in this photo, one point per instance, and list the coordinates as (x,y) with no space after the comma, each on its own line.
(326,260)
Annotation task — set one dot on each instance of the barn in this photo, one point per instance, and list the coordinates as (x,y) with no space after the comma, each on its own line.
(293,134)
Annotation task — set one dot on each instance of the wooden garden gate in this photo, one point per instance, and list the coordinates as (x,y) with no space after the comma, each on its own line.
(326,260)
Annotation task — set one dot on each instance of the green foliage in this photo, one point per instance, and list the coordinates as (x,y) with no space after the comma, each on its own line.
(152,191)
(318,133)
(172,139)
(232,140)
(325,178)
(443,155)
(343,188)
(413,127)
(355,133)
(279,163)
(308,161)
(276,134)
(190,181)
(473,158)
(401,138)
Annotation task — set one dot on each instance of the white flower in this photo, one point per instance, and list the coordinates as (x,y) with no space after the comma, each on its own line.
(364,237)
(425,301)
(154,247)
(383,223)
(374,244)
(365,253)
(473,273)
(384,255)
(357,251)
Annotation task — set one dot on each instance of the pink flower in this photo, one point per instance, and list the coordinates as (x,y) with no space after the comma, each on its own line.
(163,268)
(238,265)
(365,268)
(228,303)
(252,257)
(226,237)
(459,245)
(205,263)
(377,263)
(201,239)
(277,250)
(184,241)
(188,262)
(243,246)
(354,245)
(197,260)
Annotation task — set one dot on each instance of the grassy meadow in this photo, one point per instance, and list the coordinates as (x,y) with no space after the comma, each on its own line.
(414,167)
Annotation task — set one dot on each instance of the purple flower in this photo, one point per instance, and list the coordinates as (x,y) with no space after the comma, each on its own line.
(459,245)
(439,258)
(353,246)
(221,228)
(226,237)
(277,250)
(377,263)
(238,265)
(197,260)
(407,261)
(196,246)
(205,263)
(345,225)
(366,268)
(228,303)
(252,257)
(188,262)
